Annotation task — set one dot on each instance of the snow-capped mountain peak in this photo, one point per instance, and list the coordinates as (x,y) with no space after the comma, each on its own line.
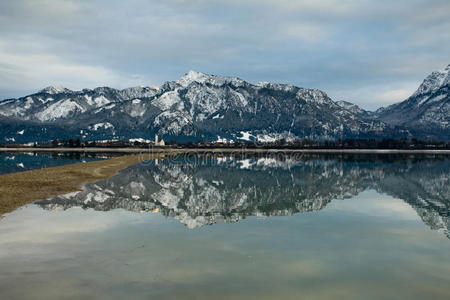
(427,111)
(199,77)
(55,89)
(434,81)
(192,76)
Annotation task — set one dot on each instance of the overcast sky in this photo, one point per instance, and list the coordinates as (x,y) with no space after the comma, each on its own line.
(370,52)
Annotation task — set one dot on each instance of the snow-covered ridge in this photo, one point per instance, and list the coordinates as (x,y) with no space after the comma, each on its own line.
(62,109)
(276,86)
(199,77)
(434,81)
(127,93)
(354,108)
(347,105)
(139,92)
(55,89)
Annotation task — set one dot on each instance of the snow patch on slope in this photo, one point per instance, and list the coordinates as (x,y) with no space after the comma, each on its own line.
(246,135)
(59,110)
(166,100)
(101,101)
(173,122)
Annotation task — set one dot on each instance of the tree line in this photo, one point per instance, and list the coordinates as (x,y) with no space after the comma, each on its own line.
(387,143)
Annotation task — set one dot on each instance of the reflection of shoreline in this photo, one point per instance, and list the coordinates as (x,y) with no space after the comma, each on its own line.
(222,150)
(227,189)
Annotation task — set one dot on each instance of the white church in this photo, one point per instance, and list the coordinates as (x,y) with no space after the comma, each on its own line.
(159,142)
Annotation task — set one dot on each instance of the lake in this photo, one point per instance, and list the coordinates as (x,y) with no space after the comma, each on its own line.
(239,227)
(11,162)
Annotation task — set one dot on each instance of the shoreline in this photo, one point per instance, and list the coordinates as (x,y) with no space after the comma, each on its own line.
(158,150)
(21,188)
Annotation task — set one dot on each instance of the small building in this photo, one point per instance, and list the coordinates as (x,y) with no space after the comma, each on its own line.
(159,142)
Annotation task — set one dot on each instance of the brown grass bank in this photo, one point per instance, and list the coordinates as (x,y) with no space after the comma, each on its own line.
(18,189)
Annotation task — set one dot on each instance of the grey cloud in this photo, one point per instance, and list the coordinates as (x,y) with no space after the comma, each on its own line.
(338,46)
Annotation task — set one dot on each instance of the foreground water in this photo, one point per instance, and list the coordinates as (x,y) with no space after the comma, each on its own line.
(292,227)
(23,161)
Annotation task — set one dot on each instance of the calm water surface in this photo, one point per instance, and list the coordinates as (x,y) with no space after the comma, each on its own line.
(308,227)
(23,161)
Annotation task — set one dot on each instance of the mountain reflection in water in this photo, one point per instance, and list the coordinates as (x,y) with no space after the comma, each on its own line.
(202,190)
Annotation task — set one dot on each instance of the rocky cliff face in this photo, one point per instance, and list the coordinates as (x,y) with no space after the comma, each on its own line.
(227,189)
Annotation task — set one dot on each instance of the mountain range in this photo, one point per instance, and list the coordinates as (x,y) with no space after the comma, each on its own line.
(216,108)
